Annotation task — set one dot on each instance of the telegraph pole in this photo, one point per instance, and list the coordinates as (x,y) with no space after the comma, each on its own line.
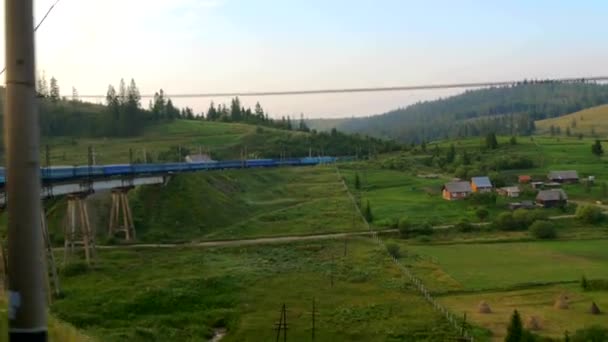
(26,266)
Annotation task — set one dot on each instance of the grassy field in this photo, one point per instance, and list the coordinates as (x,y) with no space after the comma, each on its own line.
(495,266)
(223,140)
(186,294)
(231,204)
(532,302)
(585,121)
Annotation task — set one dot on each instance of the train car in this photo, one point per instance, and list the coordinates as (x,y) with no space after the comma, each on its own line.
(176,167)
(148,168)
(118,170)
(230,164)
(88,171)
(58,172)
(207,165)
(260,163)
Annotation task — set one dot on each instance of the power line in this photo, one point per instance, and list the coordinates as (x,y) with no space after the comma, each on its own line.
(366,90)
(37,26)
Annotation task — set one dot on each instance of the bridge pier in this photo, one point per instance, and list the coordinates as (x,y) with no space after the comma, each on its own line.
(77,228)
(120,205)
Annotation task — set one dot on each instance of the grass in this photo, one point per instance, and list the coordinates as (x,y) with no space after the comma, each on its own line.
(230,204)
(58,331)
(494,266)
(532,302)
(222,140)
(153,295)
(585,121)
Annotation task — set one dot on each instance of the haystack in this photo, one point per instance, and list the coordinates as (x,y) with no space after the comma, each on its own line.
(533,323)
(594,310)
(561,303)
(484,308)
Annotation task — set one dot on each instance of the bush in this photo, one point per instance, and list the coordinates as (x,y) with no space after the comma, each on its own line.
(482,214)
(483,198)
(423,239)
(591,334)
(543,230)
(505,221)
(387,223)
(589,214)
(464,226)
(394,250)
(405,227)
(74,269)
(423,229)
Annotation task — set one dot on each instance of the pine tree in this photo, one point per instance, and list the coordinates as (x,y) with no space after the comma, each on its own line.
(122,92)
(491,141)
(54,93)
(74,94)
(42,87)
(259,112)
(158,106)
(597,148)
(515,330)
(451,155)
(211,112)
(368,212)
(235,109)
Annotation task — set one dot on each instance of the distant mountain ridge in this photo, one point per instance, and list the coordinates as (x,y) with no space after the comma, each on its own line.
(503,110)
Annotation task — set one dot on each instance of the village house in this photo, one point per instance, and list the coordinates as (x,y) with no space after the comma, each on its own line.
(551,198)
(481,184)
(524,179)
(521,205)
(456,190)
(569,176)
(509,191)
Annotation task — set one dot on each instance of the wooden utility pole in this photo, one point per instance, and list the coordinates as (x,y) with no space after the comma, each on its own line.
(314,312)
(27,315)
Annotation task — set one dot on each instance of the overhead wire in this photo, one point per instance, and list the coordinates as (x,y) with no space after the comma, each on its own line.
(365,90)
(38,25)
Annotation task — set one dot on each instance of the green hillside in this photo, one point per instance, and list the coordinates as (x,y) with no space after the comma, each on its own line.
(503,110)
(166,141)
(589,122)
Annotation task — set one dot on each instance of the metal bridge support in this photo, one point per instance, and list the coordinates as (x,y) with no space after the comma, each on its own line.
(121,210)
(52,279)
(78,228)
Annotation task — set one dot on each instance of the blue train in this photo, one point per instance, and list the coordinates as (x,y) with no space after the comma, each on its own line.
(62,173)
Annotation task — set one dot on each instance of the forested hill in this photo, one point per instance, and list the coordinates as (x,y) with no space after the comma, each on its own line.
(503,110)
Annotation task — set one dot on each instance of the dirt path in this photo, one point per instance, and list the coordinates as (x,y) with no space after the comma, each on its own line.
(245,242)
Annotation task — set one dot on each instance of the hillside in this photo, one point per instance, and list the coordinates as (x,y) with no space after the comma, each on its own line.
(589,122)
(166,141)
(504,110)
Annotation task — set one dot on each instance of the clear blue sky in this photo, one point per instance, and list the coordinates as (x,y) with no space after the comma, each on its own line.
(226,45)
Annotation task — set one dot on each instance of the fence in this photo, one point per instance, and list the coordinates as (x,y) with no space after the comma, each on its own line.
(416,281)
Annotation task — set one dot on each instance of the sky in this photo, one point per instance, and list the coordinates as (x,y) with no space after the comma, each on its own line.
(198,46)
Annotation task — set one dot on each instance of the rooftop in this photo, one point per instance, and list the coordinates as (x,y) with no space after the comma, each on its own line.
(569,174)
(552,195)
(482,182)
(461,186)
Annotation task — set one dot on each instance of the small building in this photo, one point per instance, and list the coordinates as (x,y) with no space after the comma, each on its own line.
(456,190)
(481,184)
(509,191)
(537,185)
(551,198)
(521,205)
(198,158)
(569,176)
(525,179)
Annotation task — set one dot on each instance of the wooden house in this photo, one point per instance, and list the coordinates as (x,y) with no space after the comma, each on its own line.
(551,198)
(456,190)
(570,176)
(509,191)
(481,184)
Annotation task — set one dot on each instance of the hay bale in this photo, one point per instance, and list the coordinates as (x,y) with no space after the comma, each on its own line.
(561,304)
(594,310)
(533,323)
(484,307)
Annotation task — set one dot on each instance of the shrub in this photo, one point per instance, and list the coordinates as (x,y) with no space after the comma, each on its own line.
(423,239)
(405,227)
(484,198)
(464,226)
(367,213)
(74,269)
(423,229)
(584,283)
(387,223)
(589,214)
(505,221)
(482,214)
(394,250)
(591,334)
(543,230)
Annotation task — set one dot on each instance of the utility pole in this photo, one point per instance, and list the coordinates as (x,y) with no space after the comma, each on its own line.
(26,293)
(314,312)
